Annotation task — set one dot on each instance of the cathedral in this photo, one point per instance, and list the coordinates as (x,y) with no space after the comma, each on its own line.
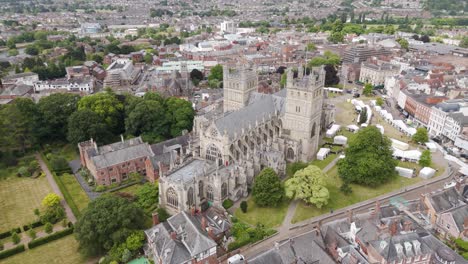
(234,140)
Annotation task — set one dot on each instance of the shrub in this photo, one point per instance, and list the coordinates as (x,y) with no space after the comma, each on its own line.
(48,228)
(33,166)
(1,246)
(64,223)
(32,234)
(24,172)
(243,206)
(47,239)
(346,189)
(59,164)
(162,214)
(11,251)
(32,225)
(100,188)
(228,203)
(9,233)
(15,238)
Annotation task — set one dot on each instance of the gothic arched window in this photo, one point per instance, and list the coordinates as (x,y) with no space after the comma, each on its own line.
(290,154)
(200,189)
(209,193)
(224,190)
(312,133)
(190,197)
(213,153)
(172,198)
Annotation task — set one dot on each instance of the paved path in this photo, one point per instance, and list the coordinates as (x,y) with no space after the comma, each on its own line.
(71,217)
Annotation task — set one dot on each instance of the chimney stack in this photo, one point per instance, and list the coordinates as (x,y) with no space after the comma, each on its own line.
(203,222)
(393,228)
(407,226)
(173,235)
(211,233)
(155,218)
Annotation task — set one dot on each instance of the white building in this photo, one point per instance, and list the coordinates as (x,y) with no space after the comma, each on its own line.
(228,27)
(376,74)
(82,84)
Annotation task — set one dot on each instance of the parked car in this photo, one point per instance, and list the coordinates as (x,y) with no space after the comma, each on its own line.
(448,185)
(236,259)
(356,95)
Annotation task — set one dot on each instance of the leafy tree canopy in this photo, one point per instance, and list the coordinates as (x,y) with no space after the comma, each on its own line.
(368,159)
(216,73)
(51,200)
(309,185)
(421,135)
(267,189)
(107,106)
(425,160)
(85,124)
(107,221)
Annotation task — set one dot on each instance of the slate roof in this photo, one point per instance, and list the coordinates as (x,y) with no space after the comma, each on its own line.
(119,152)
(159,148)
(189,171)
(445,200)
(459,214)
(301,250)
(261,106)
(190,240)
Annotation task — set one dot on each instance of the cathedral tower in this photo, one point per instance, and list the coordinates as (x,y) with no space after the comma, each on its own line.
(238,83)
(304,99)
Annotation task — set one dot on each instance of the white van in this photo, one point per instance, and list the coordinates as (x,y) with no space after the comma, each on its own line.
(236,259)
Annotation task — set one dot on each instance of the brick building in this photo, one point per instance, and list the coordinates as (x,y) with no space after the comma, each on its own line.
(115,162)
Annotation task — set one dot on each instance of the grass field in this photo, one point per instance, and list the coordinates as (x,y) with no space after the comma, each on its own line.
(18,199)
(270,217)
(79,197)
(61,251)
(130,189)
(339,200)
(323,163)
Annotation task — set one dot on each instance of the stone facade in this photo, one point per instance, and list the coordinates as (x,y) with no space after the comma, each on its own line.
(253,131)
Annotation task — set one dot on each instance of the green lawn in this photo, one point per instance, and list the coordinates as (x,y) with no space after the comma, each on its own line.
(323,163)
(130,189)
(61,251)
(268,216)
(79,196)
(18,199)
(339,200)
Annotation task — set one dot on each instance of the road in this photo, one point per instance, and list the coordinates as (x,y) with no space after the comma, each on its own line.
(71,217)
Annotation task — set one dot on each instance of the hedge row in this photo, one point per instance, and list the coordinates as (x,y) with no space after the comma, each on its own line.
(12,251)
(123,186)
(63,188)
(8,233)
(33,225)
(47,239)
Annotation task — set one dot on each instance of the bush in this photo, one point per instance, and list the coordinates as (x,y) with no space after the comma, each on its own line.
(11,251)
(162,214)
(15,238)
(228,203)
(100,188)
(59,164)
(9,233)
(24,172)
(346,189)
(48,228)
(32,234)
(47,239)
(1,246)
(33,225)
(243,206)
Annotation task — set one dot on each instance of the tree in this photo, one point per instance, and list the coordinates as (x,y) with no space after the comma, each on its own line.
(31,50)
(216,73)
(48,228)
(85,124)
(421,135)
(148,118)
(107,221)
(243,206)
(331,75)
(51,200)
(368,159)
(403,43)
(425,160)
(367,89)
(363,116)
(196,75)
(23,171)
(108,107)
(311,47)
(283,80)
(59,164)
(147,196)
(32,233)
(179,114)
(309,185)
(55,110)
(267,189)
(336,37)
